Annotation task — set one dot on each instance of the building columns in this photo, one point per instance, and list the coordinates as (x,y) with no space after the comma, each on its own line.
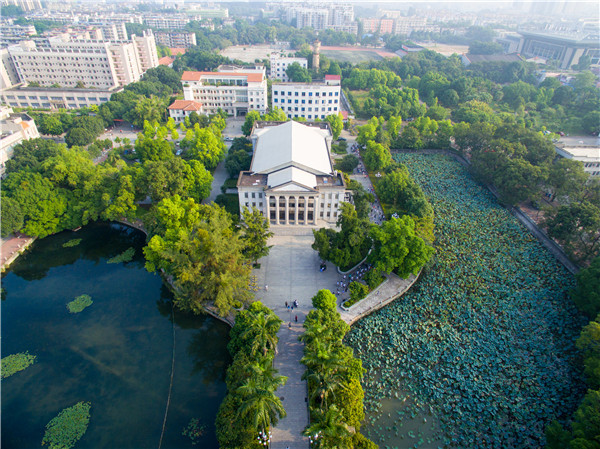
(287,210)
(276,210)
(306,198)
(268,210)
(296,212)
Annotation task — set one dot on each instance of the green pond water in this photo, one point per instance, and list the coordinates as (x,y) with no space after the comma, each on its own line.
(116,354)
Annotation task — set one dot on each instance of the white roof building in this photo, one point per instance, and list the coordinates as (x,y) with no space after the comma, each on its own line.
(291,178)
(583,149)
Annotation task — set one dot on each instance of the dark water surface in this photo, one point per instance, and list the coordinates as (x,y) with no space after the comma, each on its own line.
(115,354)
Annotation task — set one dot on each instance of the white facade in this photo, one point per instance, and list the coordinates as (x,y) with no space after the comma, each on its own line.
(180,109)
(235,92)
(14,128)
(39,97)
(8,74)
(587,152)
(291,180)
(308,100)
(176,39)
(97,64)
(279,65)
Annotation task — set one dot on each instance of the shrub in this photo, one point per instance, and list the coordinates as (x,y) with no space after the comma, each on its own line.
(373,278)
(357,292)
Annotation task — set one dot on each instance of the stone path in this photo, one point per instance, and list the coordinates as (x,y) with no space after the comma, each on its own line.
(291,271)
(11,247)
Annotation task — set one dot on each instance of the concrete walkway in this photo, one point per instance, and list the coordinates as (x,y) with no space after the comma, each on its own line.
(291,271)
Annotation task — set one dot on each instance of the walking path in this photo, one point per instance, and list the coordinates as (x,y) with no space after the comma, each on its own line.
(11,247)
(291,272)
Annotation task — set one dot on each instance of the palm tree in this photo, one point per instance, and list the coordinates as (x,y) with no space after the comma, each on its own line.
(325,385)
(321,356)
(259,401)
(262,333)
(331,428)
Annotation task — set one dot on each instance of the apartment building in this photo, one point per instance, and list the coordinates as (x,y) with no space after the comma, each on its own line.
(280,63)
(235,90)
(175,39)
(169,21)
(308,100)
(11,34)
(14,128)
(55,98)
(320,16)
(96,64)
(25,5)
(381,26)
(8,73)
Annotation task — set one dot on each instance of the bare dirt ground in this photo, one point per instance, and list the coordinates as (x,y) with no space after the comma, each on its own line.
(250,53)
(445,49)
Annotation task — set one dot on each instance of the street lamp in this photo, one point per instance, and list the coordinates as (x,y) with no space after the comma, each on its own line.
(314,438)
(264,438)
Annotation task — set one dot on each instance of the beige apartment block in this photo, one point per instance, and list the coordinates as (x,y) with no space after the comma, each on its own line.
(96,64)
(236,91)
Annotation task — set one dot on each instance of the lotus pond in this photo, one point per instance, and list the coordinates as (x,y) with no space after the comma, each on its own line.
(115,354)
(480,352)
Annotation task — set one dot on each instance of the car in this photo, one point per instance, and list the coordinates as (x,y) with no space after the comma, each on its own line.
(228,139)
(341,139)
(178,153)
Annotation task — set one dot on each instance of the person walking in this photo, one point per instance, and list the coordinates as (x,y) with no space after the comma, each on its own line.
(266,288)
(286,305)
(296,318)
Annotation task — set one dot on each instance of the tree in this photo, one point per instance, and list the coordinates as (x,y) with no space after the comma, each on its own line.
(79,137)
(396,247)
(40,202)
(52,125)
(565,178)
(251,117)
(376,156)
(165,178)
(151,109)
(577,226)
(237,161)
(336,123)
(348,163)
(151,147)
(586,294)
(411,138)
(198,246)
(485,48)
(255,234)
(205,146)
(12,216)
(298,74)
(324,300)
(589,345)
(332,429)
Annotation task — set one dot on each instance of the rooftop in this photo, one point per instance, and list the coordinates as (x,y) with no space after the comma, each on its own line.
(291,144)
(197,76)
(186,105)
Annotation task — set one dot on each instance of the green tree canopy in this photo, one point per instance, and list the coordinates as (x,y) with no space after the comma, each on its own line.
(396,247)
(586,294)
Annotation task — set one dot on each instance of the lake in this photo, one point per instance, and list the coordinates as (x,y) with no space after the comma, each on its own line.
(116,354)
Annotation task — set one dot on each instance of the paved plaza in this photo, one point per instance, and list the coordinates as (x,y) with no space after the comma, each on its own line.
(291,272)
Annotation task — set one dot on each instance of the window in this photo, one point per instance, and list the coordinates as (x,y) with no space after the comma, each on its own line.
(253,195)
(275,92)
(246,196)
(296,94)
(260,194)
(303,101)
